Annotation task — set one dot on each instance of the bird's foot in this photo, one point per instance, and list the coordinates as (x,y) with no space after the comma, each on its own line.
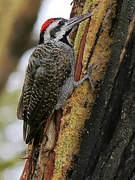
(87,76)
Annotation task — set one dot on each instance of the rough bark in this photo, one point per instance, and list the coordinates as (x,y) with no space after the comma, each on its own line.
(107,150)
(95,130)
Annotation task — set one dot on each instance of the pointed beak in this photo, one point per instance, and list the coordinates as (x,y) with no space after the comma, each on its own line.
(76,20)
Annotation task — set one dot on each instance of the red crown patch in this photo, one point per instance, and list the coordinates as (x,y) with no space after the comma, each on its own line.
(46,24)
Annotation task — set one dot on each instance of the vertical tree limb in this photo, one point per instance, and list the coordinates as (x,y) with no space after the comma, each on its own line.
(106,150)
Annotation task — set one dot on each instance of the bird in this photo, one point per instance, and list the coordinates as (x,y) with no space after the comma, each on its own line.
(49,78)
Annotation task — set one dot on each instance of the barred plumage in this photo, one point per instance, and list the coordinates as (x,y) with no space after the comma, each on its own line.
(49,76)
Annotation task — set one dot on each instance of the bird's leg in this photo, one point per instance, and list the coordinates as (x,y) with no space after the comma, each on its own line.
(87,76)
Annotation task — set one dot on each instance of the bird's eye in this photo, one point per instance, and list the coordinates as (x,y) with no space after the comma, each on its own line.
(52,33)
(61,23)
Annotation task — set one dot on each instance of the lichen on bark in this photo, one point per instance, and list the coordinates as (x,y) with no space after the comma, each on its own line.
(88,40)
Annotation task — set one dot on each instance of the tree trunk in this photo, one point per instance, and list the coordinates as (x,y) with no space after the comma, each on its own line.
(94,133)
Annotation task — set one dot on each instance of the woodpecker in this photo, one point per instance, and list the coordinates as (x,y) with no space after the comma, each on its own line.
(49,78)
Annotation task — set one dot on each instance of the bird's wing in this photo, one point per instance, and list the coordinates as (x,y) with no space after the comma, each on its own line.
(44,77)
(31,98)
(27,88)
(20,107)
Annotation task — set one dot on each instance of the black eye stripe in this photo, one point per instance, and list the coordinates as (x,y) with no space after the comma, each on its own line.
(61,23)
(56,29)
(52,33)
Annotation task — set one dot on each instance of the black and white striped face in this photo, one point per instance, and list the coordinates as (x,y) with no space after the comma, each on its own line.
(58,29)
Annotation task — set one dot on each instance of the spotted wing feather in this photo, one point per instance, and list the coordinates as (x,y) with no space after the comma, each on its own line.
(49,67)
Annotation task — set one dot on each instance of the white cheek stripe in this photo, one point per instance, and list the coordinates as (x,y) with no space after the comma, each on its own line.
(47,32)
(59,34)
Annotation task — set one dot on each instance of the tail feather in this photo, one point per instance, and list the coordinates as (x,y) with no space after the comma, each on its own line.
(29,133)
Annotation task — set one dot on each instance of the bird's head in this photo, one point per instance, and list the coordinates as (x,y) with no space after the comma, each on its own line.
(58,29)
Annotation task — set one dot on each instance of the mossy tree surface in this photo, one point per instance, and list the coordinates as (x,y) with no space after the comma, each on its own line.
(107,150)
